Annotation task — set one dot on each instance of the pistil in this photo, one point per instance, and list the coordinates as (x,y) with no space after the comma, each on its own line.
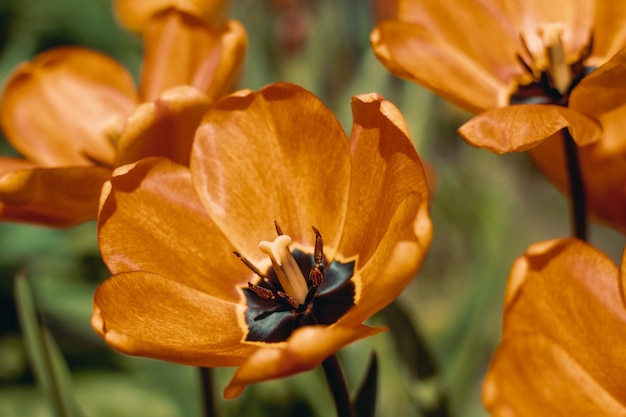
(286,267)
(559,70)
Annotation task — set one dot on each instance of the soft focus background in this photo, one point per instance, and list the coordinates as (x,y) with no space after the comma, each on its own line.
(486,210)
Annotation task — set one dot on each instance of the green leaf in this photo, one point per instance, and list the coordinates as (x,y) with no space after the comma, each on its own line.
(364,402)
(45,357)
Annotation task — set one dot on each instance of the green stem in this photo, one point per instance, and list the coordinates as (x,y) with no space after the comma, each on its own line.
(208,398)
(577,189)
(338,387)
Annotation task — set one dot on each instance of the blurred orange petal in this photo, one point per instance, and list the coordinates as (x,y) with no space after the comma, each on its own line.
(136,14)
(182,49)
(66,107)
(141,313)
(59,197)
(520,127)
(307,348)
(166,230)
(274,155)
(609,15)
(164,127)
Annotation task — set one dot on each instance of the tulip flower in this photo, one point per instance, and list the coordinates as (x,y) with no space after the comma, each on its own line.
(533,71)
(65,112)
(564,333)
(270,250)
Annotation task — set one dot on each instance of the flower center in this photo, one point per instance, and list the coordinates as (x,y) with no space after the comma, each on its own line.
(552,77)
(299,289)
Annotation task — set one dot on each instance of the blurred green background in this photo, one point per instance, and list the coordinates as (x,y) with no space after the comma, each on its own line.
(486,210)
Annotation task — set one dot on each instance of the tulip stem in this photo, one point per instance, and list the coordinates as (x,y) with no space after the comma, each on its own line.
(577,189)
(338,387)
(208,398)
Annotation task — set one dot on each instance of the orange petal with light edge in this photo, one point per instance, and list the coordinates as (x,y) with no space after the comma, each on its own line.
(610,34)
(532,376)
(145,314)
(165,127)
(601,91)
(66,106)
(305,349)
(277,155)
(180,49)
(385,170)
(602,168)
(555,291)
(59,197)
(135,15)
(152,220)
(467,77)
(519,127)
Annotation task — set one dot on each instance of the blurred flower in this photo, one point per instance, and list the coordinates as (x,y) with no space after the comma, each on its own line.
(135,15)
(354,216)
(564,335)
(65,112)
(534,54)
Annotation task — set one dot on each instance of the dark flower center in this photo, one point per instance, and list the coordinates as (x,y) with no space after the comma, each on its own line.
(273,312)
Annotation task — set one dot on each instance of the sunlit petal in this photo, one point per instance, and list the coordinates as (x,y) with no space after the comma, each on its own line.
(274,155)
(67,106)
(53,196)
(140,313)
(152,220)
(521,127)
(303,351)
(164,127)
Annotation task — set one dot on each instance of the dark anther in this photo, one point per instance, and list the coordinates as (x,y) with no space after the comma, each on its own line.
(278,231)
(315,274)
(288,298)
(249,265)
(264,293)
(316,277)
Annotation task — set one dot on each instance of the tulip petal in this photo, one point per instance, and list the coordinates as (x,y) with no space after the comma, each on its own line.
(145,314)
(611,36)
(531,375)
(602,90)
(135,15)
(307,348)
(180,49)
(385,170)
(165,127)
(152,220)
(428,58)
(274,155)
(520,127)
(66,106)
(59,197)
(555,290)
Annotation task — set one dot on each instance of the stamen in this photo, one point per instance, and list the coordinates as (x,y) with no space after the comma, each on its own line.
(278,230)
(559,70)
(264,293)
(289,299)
(286,267)
(315,274)
(250,265)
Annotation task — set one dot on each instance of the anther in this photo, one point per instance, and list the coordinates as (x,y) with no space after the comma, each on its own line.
(279,232)
(264,293)
(288,298)
(315,274)
(250,265)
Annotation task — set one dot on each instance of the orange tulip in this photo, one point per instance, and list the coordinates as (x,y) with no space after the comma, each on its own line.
(530,68)
(65,112)
(564,333)
(353,230)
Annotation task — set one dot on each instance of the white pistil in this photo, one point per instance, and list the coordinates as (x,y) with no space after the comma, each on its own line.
(559,70)
(286,267)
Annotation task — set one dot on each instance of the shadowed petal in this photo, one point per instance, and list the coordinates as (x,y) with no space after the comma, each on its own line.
(66,106)
(274,155)
(58,197)
(181,49)
(304,350)
(136,14)
(385,170)
(555,291)
(151,220)
(141,313)
(530,375)
(423,56)
(165,127)
(520,127)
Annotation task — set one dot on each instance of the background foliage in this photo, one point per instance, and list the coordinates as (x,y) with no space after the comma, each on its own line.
(486,210)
